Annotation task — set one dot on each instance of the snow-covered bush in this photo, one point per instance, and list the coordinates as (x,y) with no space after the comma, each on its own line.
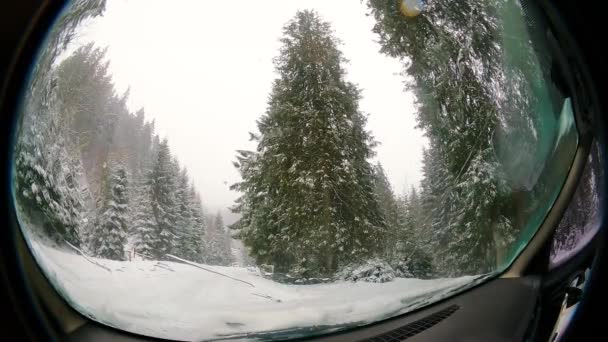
(416,265)
(402,270)
(373,271)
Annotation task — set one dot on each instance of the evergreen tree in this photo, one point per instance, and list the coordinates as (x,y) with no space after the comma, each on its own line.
(111,234)
(198,221)
(414,207)
(390,212)
(308,201)
(46,172)
(453,53)
(416,254)
(164,202)
(188,239)
(144,226)
(89,110)
(73,126)
(218,242)
(61,34)
(406,247)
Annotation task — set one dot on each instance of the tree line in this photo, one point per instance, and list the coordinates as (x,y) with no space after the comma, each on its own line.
(90,172)
(484,94)
(312,202)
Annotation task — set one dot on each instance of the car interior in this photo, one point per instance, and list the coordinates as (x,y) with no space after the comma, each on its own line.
(537,295)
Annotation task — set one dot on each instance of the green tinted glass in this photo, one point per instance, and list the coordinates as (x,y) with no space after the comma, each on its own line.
(540,148)
(562,141)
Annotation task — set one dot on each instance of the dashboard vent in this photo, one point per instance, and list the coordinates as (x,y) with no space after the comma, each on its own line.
(414,328)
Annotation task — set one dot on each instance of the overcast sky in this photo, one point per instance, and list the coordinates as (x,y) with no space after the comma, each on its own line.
(203,70)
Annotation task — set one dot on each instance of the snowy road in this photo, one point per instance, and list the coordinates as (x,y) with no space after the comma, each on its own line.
(179,301)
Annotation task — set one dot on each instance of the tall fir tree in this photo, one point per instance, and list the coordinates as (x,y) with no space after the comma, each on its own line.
(111,233)
(62,34)
(452,51)
(388,206)
(308,201)
(188,239)
(218,242)
(90,109)
(144,227)
(46,171)
(164,202)
(198,221)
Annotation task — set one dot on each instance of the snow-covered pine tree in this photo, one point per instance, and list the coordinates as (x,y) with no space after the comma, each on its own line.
(73,123)
(400,238)
(164,202)
(180,225)
(198,221)
(143,147)
(111,233)
(216,242)
(144,231)
(188,233)
(388,206)
(459,83)
(416,254)
(308,202)
(89,109)
(222,241)
(437,199)
(46,171)
(80,199)
(62,33)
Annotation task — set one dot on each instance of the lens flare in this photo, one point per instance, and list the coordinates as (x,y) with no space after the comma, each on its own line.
(411,8)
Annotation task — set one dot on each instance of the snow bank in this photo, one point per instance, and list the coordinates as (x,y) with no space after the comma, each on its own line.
(179,301)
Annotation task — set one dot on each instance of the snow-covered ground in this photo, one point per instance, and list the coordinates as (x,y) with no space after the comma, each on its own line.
(239,253)
(180,301)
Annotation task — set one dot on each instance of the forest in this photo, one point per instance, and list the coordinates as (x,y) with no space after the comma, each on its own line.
(326,207)
(92,174)
(313,203)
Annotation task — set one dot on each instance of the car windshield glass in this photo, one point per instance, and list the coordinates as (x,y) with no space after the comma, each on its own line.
(202,170)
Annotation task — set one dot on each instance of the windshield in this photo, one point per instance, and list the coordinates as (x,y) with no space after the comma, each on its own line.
(203,170)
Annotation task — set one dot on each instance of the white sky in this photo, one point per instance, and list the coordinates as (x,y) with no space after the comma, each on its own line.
(203,70)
